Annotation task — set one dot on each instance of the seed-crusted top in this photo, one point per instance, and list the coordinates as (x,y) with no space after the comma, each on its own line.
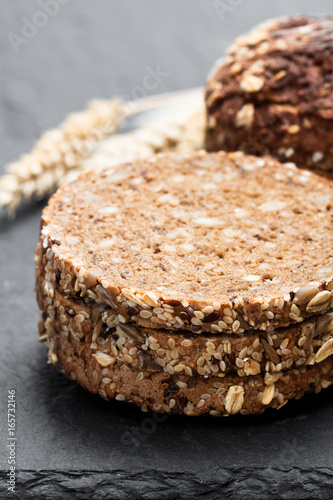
(208,242)
(272,93)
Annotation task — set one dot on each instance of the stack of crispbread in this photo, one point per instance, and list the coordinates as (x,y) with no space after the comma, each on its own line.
(197,283)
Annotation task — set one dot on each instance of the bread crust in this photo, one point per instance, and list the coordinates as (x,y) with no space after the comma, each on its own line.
(271,94)
(185,353)
(164,393)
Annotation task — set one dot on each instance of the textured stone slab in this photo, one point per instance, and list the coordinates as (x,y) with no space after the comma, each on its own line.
(75,445)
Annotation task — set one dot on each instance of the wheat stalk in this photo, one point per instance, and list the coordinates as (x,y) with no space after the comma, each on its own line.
(180,129)
(58,151)
(84,141)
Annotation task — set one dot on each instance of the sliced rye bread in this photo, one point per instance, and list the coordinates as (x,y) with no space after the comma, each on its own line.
(162,392)
(272,93)
(207,243)
(182,352)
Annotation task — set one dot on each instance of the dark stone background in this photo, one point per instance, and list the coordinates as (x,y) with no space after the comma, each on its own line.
(72,444)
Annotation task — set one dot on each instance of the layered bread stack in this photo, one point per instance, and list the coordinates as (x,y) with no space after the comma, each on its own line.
(197,284)
(272,94)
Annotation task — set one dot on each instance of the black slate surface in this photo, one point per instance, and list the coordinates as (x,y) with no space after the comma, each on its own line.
(71,444)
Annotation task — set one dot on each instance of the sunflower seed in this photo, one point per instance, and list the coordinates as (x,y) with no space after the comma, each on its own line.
(325,351)
(304,295)
(319,302)
(270,352)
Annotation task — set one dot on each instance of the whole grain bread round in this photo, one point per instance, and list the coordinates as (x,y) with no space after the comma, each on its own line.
(181,352)
(162,392)
(202,242)
(272,93)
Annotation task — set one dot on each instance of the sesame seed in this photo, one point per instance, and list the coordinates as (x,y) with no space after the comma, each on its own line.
(170,369)
(121,318)
(154,346)
(301,342)
(280,304)
(243,353)
(256,356)
(200,361)
(227,311)
(174,353)
(188,371)
(145,314)
(235,326)
(221,399)
(239,363)
(256,343)
(216,327)
(198,314)
(317,156)
(181,385)
(128,358)
(171,343)
(294,309)
(207,310)
(222,365)
(284,343)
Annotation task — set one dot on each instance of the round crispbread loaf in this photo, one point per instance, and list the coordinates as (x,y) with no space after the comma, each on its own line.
(272,93)
(216,243)
(193,395)
(181,352)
